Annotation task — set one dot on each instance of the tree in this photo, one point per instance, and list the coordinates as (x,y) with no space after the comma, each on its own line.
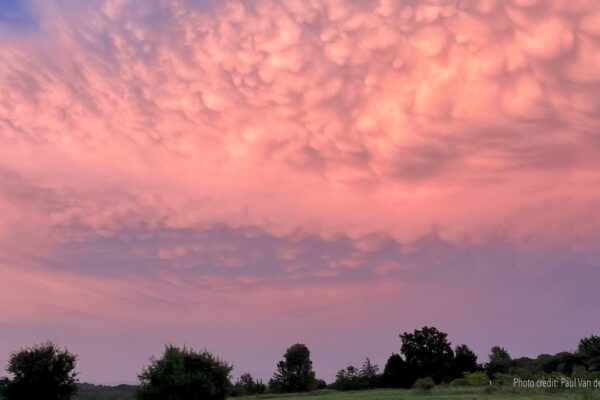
(397,373)
(369,374)
(183,374)
(566,362)
(41,372)
(294,373)
(500,362)
(428,352)
(347,379)
(589,352)
(246,385)
(320,384)
(464,361)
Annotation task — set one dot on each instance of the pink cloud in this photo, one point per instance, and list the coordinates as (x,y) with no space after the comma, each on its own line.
(331,118)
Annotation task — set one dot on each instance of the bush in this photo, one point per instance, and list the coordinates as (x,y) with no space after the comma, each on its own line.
(41,372)
(476,379)
(458,382)
(183,374)
(320,384)
(246,385)
(424,384)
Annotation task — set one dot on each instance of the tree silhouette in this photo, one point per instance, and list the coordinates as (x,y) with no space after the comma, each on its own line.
(41,372)
(294,373)
(183,374)
(428,352)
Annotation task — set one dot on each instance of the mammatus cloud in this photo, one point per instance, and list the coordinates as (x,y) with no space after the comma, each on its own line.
(464,119)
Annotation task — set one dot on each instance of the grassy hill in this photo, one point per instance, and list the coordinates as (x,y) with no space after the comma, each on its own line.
(87,391)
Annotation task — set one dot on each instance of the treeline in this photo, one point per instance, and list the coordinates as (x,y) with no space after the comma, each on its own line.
(426,358)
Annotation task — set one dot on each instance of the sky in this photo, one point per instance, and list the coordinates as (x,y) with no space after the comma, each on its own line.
(242,175)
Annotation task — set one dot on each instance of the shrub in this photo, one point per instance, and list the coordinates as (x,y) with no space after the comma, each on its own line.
(246,385)
(183,374)
(476,379)
(424,384)
(320,384)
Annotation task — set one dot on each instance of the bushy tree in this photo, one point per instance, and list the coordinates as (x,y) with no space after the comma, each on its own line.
(347,379)
(41,372)
(184,374)
(3,385)
(369,374)
(428,352)
(500,362)
(352,378)
(566,362)
(588,352)
(320,384)
(397,373)
(247,385)
(465,361)
(294,373)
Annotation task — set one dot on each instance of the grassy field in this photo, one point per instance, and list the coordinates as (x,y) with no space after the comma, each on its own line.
(440,393)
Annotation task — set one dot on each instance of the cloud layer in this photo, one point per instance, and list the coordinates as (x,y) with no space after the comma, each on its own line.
(466,119)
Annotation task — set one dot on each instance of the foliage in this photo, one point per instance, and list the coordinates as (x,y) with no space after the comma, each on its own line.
(369,374)
(500,362)
(476,379)
(246,385)
(465,361)
(183,374)
(347,379)
(294,373)
(320,384)
(41,372)
(589,352)
(428,352)
(424,384)
(397,373)
(352,378)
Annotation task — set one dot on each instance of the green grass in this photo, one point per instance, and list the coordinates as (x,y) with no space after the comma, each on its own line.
(439,393)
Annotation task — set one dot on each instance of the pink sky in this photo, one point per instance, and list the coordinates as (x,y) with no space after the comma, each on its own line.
(243,175)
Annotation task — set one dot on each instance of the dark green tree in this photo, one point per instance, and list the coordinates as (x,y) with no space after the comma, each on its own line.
(500,362)
(465,360)
(397,373)
(295,372)
(41,372)
(588,352)
(369,375)
(566,362)
(348,379)
(428,353)
(247,385)
(183,374)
